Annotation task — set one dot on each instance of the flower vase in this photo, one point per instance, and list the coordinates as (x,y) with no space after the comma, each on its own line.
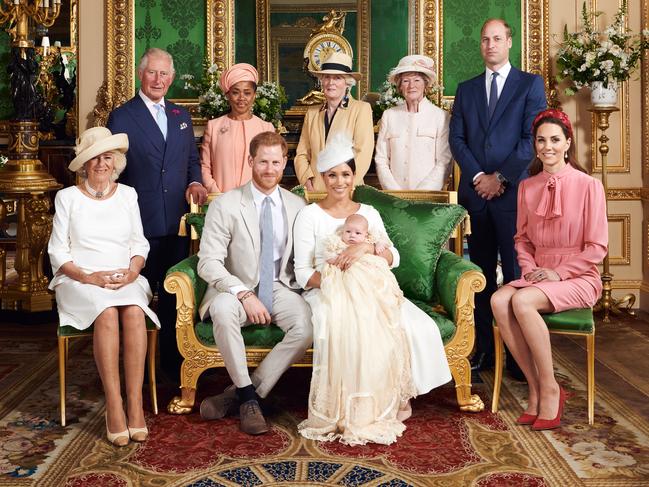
(602,95)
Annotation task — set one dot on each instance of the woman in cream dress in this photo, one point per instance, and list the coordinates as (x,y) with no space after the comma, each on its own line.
(97,249)
(357,391)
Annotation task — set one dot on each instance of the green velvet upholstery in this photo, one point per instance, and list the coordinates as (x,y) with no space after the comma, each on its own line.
(253,335)
(445,325)
(450,268)
(419,230)
(573,320)
(70,331)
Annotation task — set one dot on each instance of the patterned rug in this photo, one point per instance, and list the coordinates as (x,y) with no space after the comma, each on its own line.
(441,446)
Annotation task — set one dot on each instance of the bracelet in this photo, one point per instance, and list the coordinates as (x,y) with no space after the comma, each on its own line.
(246,296)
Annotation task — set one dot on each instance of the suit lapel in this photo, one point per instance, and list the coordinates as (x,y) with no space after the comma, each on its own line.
(511,84)
(290,212)
(142,118)
(173,124)
(481,101)
(250,217)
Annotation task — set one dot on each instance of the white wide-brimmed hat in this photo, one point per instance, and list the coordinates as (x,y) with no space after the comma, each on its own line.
(339,149)
(415,63)
(96,141)
(337,63)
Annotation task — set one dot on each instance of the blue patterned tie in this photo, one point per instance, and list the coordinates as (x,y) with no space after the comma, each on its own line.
(266,262)
(493,94)
(161,119)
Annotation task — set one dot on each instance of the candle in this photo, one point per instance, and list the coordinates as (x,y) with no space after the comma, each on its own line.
(46,3)
(45,42)
(16,2)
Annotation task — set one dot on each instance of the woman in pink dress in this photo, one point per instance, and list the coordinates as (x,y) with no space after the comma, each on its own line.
(224,152)
(562,234)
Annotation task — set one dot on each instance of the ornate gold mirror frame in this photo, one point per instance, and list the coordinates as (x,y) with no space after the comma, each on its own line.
(266,64)
(425,20)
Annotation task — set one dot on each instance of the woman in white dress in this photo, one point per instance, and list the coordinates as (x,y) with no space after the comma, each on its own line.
(97,249)
(344,351)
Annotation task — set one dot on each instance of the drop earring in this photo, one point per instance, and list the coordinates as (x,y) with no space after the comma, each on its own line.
(565,155)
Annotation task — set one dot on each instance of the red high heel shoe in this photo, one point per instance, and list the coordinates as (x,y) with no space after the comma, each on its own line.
(549,424)
(526,419)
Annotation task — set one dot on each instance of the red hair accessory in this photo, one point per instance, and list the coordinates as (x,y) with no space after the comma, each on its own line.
(554,113)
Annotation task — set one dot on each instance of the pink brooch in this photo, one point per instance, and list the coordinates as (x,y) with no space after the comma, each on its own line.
(175,111)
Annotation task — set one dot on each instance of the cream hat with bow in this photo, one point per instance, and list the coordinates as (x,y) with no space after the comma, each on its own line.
(339,149)
(96,141)
(415,63)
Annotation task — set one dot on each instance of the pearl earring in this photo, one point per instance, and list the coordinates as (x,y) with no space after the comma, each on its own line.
(565,155)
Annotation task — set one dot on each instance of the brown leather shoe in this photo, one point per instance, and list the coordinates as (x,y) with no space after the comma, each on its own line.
(221,405)
(251,419)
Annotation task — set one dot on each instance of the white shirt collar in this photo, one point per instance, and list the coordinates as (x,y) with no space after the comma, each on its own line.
(502,72)
(259,197)
(149,102)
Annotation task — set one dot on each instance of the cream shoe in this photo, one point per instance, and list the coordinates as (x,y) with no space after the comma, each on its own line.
(118,439)
(138,435)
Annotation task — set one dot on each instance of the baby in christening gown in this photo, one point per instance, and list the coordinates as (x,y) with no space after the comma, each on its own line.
(363,395)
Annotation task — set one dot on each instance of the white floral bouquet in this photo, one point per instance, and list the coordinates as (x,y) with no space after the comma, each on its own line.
(609,56)
(390,96)
(3,160)
(212,102)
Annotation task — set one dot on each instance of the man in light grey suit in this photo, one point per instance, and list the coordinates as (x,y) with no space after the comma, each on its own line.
(246,258)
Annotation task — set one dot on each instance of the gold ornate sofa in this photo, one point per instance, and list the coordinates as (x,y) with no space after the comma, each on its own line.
(454,283)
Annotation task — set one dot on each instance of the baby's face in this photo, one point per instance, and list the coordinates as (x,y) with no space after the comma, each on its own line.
(354,232)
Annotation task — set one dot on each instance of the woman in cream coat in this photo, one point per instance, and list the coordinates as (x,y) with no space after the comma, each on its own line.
(412,150)
(339,113)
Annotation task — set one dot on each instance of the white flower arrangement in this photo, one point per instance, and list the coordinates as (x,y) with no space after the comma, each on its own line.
(609,56)
(212,102)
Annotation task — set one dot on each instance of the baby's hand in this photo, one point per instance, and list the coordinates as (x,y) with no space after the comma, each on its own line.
(379,248)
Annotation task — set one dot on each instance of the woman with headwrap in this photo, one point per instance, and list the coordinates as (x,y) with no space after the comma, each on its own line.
(224,152)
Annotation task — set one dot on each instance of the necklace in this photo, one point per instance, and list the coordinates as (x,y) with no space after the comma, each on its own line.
(97,194)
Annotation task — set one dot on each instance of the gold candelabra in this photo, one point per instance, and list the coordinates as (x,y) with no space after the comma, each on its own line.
(607,304)
(24,178)
(18,13)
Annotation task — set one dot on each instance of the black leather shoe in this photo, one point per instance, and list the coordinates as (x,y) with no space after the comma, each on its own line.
(482,361)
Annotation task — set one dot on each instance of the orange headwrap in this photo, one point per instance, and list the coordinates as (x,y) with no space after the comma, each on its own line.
(236,73)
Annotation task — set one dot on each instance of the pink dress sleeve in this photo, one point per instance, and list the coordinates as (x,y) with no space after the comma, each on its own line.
(206,159)
(595,235)
(524,246)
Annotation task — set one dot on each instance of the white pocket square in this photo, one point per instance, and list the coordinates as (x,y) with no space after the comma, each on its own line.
(183,126)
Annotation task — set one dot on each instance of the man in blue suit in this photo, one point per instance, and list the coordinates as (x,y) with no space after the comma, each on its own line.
(491,140)
(164,168)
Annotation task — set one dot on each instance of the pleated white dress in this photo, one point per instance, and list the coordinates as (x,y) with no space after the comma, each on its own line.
(337,344)
(97,235)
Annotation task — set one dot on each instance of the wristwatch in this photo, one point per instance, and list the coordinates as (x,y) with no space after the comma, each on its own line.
(501,179)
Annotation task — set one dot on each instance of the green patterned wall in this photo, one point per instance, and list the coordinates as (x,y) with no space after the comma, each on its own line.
(6,105)
(245,37)
(178,26)
(389,31)
(463,20)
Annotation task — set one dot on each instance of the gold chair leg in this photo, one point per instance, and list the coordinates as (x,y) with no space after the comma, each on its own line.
(498,368)
(152,336)
(590,347)
(63,348)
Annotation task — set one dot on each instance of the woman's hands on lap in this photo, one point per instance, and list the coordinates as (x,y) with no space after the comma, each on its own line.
(121,277)
(542,274)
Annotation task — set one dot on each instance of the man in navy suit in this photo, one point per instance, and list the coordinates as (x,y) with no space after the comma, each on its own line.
(164,168)
(491,140)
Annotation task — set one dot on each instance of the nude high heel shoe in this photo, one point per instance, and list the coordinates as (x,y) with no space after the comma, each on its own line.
(118,439)
(138,435)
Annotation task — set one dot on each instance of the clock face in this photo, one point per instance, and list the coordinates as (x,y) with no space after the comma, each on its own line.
(320,47)
(323,50)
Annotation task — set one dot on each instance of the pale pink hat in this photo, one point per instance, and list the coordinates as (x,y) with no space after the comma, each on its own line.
(415,63)
(236,73)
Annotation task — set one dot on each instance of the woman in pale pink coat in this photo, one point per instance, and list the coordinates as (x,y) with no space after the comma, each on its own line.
(224,152)
(562,234)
